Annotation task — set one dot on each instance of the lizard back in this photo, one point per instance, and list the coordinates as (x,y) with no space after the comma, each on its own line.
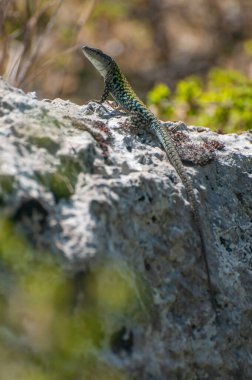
(118,86)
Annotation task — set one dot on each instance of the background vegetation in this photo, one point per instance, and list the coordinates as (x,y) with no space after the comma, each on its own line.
(155,42)
(50,328)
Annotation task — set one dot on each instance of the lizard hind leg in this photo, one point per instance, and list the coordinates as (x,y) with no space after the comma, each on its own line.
(137,122)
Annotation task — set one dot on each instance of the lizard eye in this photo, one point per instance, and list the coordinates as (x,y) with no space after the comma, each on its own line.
(114,80)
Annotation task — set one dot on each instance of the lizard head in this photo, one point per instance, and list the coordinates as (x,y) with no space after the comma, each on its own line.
(101,61)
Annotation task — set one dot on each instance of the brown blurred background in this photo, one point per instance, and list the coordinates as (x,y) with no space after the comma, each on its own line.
(152,40)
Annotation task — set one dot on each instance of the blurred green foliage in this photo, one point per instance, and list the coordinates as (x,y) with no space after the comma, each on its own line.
(248,46)
(47,331)
(222,102)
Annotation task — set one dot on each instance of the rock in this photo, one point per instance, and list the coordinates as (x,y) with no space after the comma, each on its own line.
(100,257)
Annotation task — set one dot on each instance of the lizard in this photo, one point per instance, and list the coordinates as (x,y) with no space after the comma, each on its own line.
(118,86)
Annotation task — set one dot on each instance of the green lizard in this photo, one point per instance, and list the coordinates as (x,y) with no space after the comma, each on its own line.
(117,85)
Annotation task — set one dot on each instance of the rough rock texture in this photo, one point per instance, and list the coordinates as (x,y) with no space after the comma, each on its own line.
(80,183)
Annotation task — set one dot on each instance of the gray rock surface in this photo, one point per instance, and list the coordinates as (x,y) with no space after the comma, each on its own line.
(78,182)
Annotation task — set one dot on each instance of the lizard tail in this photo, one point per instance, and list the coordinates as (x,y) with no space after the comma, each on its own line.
(165,138)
